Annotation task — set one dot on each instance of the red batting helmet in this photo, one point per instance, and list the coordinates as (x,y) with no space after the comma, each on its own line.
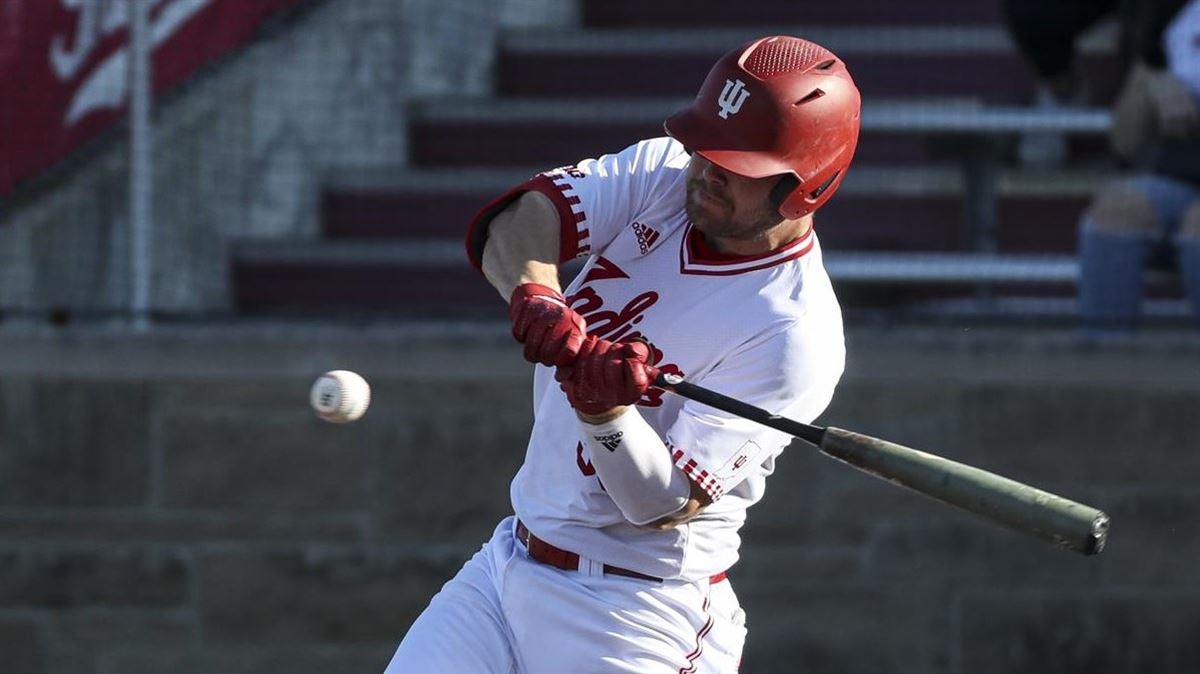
(777,105)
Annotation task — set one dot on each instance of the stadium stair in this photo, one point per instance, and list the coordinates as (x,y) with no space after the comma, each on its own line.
(943,90)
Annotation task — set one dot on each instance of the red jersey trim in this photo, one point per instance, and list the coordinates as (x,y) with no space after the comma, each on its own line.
(573,238)
(695,257)
(703,479)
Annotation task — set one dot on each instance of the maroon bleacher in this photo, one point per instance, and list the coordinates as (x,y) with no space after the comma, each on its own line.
(436,143)
(534,69)
(354,213)
(987,76)
(931,222)
(706,13)
(289,286)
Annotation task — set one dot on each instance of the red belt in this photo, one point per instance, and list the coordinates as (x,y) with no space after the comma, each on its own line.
(543,552)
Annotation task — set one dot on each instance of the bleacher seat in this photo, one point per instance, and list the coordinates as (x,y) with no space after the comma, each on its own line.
(930,200)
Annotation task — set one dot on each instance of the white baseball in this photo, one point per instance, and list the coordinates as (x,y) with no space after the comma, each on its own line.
(340,396)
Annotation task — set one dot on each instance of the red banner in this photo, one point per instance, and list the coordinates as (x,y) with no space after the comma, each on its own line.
(63,66)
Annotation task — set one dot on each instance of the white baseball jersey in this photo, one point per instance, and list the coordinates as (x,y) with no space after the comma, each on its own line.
(765,329)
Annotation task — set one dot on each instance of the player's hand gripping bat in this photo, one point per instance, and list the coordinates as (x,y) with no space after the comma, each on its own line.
(1068,524)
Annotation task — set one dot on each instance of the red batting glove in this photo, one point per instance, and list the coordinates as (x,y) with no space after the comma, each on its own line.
(551,331)
(606,375)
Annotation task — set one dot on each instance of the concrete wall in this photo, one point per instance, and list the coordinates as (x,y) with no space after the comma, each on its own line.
(168,503)
(242,150)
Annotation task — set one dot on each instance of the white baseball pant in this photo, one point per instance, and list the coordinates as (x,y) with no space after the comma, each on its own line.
(504,613)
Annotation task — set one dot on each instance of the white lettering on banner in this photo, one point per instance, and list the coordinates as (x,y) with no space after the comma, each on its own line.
(97,19)
(105,85)
(67,63)
(732,97)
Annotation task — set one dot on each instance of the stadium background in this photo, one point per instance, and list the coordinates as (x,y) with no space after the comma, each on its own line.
(169,503)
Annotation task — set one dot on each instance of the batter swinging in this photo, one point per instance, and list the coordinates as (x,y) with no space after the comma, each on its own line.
(702,261)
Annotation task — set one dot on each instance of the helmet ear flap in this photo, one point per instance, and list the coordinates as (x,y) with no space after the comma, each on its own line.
(783,189)
(796,202)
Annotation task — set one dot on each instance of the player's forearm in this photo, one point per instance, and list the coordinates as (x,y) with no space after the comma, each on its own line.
(523,245)
(636,469)
(697,501)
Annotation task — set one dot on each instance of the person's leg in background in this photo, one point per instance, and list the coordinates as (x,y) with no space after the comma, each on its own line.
(1127,220)
(1188,245)
(1115,236)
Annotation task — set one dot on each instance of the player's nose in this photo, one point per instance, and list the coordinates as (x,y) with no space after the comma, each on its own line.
(712,173)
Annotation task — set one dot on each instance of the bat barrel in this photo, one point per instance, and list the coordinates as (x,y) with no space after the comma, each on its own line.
(1019,506)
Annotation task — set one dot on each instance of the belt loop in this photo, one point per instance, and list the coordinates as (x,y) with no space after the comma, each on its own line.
(595,568)
(590,568)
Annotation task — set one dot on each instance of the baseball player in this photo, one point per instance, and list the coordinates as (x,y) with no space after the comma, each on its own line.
(701,261)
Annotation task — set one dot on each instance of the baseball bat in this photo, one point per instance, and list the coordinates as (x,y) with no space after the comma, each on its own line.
(1018,506)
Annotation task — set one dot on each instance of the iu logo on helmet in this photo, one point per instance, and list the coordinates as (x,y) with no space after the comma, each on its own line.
(732,97)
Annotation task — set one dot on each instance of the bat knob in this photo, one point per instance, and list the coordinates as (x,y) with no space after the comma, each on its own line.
(1099,535)
(664,379)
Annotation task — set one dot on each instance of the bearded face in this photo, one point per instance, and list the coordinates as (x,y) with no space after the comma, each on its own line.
(728,208)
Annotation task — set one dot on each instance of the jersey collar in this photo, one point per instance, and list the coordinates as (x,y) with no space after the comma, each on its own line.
(697,257)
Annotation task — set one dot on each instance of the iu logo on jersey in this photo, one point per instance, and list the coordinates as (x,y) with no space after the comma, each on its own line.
(732,97)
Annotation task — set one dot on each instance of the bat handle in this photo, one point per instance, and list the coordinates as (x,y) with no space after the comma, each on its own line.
(676,384)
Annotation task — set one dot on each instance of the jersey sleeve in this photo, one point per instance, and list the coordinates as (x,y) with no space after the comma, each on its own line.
(791,373)
(595,198)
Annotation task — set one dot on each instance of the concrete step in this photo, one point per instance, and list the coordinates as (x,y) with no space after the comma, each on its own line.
(688,13)
(908,61)
(307,544)
(889,209)
(554,132)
